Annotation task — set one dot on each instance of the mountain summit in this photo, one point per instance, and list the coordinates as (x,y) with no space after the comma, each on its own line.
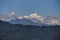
(8,17)
(33,14)
(32,19)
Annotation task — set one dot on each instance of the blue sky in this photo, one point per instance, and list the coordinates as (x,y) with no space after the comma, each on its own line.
(26,7)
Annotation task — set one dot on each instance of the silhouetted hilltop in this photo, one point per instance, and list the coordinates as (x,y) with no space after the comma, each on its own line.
(28,32)
(4,23)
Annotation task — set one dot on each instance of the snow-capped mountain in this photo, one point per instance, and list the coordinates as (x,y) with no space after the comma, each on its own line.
(32,19)
(8,17)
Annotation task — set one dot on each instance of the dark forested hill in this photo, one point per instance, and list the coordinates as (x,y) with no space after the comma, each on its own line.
(28,32)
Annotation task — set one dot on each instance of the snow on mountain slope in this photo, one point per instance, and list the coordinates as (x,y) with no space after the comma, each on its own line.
(23,21)
(52,20)
(32,19)
(44,20)
(8,17)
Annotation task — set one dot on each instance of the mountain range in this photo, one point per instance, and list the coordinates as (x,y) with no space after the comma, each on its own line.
(32,19)
(14,27)
(10,31)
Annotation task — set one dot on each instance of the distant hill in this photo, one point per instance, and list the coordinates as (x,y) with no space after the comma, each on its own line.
(28,32)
